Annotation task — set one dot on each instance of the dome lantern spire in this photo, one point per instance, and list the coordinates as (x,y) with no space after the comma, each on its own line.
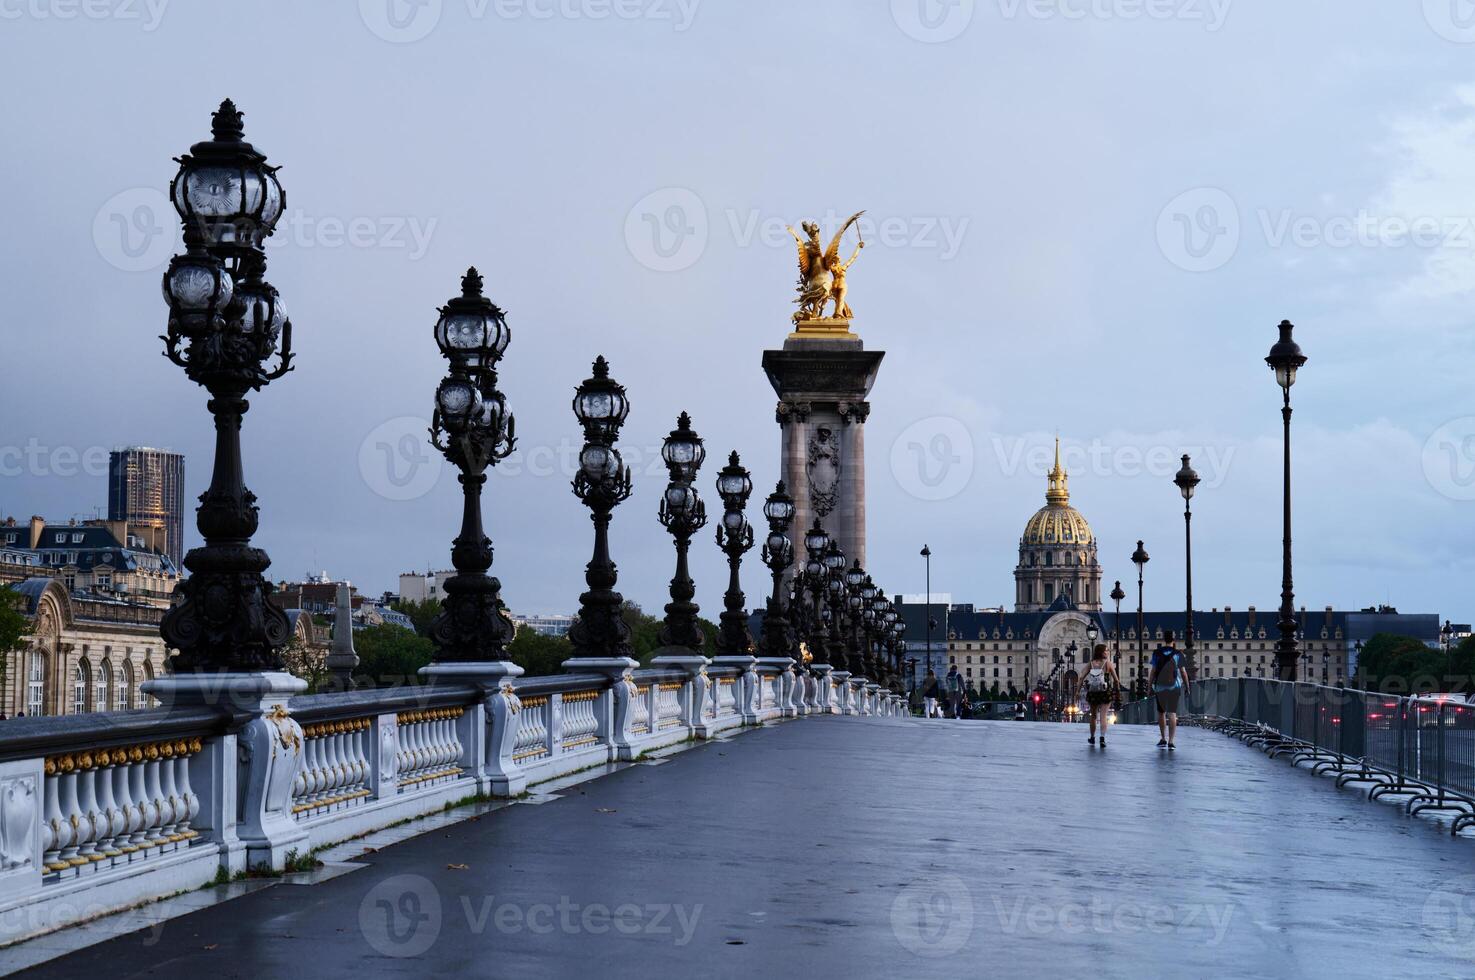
(1057,493)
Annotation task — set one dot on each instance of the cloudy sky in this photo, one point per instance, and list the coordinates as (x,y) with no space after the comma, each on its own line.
(1087,218)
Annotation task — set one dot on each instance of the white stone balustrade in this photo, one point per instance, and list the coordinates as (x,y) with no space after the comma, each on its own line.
(87,819)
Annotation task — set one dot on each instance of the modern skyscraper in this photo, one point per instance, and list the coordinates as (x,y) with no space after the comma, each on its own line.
(146,489)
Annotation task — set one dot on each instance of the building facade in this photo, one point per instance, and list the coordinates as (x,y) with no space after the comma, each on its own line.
(84,653)
(146,489)
(1045,642)
(111,560)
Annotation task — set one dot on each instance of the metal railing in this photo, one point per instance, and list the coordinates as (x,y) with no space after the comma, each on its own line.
(1421,747)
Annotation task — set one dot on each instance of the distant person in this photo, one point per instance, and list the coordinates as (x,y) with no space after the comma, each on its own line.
(1019,711)
(955,690)
(931,690)
(1169,682)
(1101,684)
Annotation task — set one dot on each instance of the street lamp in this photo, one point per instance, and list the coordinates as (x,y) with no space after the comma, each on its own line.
(779,639)
(1140,559)
(1285,359)
(834,562)
(682,513)
(602,483)
(734,537)
(230,322)
(473,429)
(927,557)
(1186,479)
(816,579)
(1446,636)
(1117,595)
(855,578)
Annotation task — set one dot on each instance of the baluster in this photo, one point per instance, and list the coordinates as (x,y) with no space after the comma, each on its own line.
(157,808)
(138,791)
(169,793)
(186,790)
(332,763)
(51,821)
(112,818)
(87,809)
(302,783)
(70,816)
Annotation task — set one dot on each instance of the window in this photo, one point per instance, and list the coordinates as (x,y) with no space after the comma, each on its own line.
(79,688)
(100,684)
(35,683)
(123,690)
(143,700)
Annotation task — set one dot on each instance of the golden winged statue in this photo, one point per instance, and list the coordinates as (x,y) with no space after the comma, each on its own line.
(822,273)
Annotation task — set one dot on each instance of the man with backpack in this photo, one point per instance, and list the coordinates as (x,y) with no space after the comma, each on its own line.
(1169,684)
(955,690)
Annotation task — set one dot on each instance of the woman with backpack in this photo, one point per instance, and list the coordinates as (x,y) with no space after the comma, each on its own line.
(1101,684)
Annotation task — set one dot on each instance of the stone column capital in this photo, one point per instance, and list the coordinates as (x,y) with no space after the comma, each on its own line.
(792,411)
(855,412)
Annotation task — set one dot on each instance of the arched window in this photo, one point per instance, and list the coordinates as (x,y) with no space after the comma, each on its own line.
(100,685)
(123,690)
(79,687)
(36,683)
(142,700)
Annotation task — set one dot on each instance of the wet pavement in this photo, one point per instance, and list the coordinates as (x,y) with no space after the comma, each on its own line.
(869,847)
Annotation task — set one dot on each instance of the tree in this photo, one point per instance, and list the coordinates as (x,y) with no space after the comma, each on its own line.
(391,656)
(14,630)
(307,662)
(537,654)
(420,613)
(1403,665)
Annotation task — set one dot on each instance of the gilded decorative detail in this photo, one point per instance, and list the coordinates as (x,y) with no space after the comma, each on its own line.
(323,729)
(822,271)
(287,734)
(578,696)
(432,714)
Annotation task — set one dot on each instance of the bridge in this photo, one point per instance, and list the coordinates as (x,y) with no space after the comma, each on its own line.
(823,843)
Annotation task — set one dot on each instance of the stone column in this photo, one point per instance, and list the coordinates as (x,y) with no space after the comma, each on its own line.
(852,521)
(793,420)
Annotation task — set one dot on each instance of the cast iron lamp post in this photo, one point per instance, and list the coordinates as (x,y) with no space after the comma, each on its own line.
(834,562)
(778,554)
(855,603)
(816,581)
(1186,479)
(1117,595)
(473,429)
(927,559)
(734,538)
(229,322)
(683,514)
(1140,559)
(1285,359)
(602,483)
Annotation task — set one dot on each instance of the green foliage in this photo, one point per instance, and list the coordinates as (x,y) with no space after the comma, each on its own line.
(14,628)
(420,613)
(391,655)
(539,655)
(1402,665)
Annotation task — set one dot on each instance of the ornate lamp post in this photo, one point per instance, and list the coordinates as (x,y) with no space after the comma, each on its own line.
(1117,595)
(778,638)
(602,483)
(1186,479)
(927,559)
(1140,559)
(734,538)
(225,323)
(1285,359)
(855,604)
(472,427)
(816,581)
(779,643)
(683,514)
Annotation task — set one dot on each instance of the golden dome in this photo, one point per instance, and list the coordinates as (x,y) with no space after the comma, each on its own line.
(1057,523)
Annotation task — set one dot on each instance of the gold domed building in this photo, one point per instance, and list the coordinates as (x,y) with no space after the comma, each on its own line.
(1057,553)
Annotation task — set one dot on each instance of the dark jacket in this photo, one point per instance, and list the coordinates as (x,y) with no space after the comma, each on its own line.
(930,688)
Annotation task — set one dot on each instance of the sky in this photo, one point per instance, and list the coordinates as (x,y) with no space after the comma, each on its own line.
(1085,218)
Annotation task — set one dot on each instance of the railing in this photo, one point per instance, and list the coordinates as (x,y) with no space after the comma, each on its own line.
(106,810)
(1422,748)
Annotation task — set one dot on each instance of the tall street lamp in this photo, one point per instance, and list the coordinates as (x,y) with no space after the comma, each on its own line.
(682,513)
(225,323)
(735,538)
(1285,359)
(472,427)
(1140,559)
(778,554)
(927,558)
(1186,479)
(1117,595)
(855,604)
(816,581)
(602,483)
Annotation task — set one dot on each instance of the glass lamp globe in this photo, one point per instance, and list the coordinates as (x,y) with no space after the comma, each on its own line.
(197,287)
(471,329)
(225,192)
(779,507)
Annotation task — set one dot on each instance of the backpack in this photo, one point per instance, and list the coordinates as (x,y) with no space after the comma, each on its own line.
(1165,670)
(1096,679)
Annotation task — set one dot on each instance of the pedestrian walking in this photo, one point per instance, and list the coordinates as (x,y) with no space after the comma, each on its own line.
(1169,684)
(931,691)
(955,690)
(1101,684)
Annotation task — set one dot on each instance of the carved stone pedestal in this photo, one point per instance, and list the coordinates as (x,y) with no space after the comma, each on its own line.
(489,753)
